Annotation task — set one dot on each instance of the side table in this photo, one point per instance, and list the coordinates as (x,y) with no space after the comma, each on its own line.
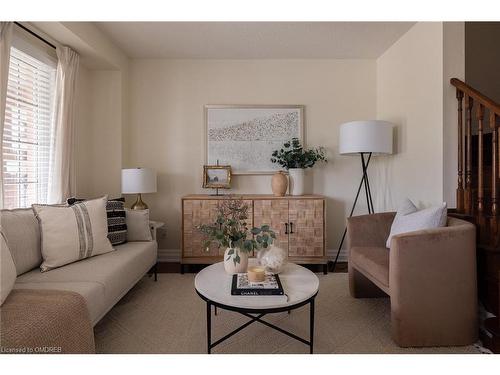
(154,226)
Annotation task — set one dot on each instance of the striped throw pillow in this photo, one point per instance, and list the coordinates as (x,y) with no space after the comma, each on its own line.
(115,212)
(72,233)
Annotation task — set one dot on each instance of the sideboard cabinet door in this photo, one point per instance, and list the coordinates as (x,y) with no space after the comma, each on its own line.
(273,212)
(307,233)
(202,211)
(197,212)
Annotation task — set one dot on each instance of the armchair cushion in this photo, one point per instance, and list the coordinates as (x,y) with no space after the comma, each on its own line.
(373,262)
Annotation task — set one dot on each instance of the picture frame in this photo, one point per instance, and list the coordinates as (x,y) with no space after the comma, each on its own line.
(244,136)
(217,177)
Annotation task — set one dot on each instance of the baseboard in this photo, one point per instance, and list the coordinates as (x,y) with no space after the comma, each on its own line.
(169,255)
(174,255)
(332,253)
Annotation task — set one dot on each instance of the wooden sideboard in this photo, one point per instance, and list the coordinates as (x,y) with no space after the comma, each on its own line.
(298,221)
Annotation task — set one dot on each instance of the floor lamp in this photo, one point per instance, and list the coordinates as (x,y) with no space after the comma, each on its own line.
(366,139)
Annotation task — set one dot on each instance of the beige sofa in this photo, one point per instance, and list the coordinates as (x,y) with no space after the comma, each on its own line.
(429,275)
(101,280)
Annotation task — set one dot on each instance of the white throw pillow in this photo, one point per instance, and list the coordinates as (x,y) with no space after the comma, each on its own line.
(138,225)
(409,219)
(7,270)
(72,233)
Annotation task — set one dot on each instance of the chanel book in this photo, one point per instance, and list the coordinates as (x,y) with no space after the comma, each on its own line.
(271,286)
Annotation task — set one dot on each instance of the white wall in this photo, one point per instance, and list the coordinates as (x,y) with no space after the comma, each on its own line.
(410,94)
(453,67)
(150,113)
(167,127)
(99,133)
(482,48)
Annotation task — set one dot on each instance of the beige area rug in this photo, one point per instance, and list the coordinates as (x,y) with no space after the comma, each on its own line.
(169,317)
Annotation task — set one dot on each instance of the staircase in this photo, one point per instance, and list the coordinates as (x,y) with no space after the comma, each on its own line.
(477,194)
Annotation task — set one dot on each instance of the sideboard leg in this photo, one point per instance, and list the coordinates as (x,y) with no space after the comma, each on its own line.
(182,269)
(325,269)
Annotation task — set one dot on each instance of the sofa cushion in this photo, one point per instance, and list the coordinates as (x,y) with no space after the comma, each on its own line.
(373,262)
(72,233)
(22,234)
(138,225)
(115,211)
(7,270)
(102,280)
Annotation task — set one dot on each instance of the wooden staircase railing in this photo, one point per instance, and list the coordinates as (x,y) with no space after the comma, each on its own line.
(466,203)
(477,198)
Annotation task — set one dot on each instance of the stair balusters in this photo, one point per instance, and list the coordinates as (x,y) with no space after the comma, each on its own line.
(480,160)
(469,102)
(460,184)
(476,200)
(494,164)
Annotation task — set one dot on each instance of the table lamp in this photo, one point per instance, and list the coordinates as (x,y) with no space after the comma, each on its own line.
(366,139)
(138,181)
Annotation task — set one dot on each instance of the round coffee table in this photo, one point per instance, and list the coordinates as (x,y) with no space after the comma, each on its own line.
(300,285)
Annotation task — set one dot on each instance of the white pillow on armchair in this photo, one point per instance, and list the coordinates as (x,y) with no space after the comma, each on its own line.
(409,219)
(138,225)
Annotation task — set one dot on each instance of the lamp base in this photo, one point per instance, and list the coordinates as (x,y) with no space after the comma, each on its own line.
(139,204)
(369,202)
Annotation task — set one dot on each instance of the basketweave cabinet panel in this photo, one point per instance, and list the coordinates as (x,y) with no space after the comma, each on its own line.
(198,212)
(306,232)
(273,212)
(299,224)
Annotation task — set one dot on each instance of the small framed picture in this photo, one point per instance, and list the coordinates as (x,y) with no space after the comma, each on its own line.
(217,176)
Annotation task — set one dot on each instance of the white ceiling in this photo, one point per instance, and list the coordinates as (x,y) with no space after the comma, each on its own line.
(254,40)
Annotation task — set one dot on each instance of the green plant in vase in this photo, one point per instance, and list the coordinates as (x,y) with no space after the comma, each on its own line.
(295,158)
(230,230)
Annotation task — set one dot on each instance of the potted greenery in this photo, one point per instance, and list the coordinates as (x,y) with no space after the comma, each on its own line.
(230,231)
(296,159)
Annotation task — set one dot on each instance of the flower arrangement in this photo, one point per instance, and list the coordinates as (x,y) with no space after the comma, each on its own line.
(293,155)
(230,229)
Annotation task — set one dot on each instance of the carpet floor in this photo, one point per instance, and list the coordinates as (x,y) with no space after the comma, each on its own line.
(169,317)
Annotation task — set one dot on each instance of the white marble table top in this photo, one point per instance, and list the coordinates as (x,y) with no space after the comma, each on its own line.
(299,284)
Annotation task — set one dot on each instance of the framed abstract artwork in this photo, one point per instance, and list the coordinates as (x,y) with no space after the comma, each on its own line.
(244,136)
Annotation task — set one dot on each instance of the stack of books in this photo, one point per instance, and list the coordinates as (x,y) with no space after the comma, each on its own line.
(271,286)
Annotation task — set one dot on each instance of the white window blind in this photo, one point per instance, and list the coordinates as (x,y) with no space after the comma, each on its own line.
(27,130)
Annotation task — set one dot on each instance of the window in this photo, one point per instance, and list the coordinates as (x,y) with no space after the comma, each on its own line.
(27,130)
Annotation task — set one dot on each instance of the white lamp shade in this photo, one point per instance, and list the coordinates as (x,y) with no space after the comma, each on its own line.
(366,136)
(138,180)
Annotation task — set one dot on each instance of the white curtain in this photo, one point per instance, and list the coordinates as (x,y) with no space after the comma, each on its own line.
(61,162)
(6,29)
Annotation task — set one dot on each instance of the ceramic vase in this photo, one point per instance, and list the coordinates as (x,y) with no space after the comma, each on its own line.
(231,256)
(279,184)
(273,259)
(296,181)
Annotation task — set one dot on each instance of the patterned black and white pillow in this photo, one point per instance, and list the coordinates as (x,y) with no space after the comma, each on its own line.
(115,211)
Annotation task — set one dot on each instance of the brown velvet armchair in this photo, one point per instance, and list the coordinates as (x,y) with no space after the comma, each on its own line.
(429,275)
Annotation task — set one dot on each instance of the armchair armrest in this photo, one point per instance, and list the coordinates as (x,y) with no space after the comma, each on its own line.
(369,230)
(432,279)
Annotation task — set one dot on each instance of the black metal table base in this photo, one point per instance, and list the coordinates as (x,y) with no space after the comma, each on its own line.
(256,315)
